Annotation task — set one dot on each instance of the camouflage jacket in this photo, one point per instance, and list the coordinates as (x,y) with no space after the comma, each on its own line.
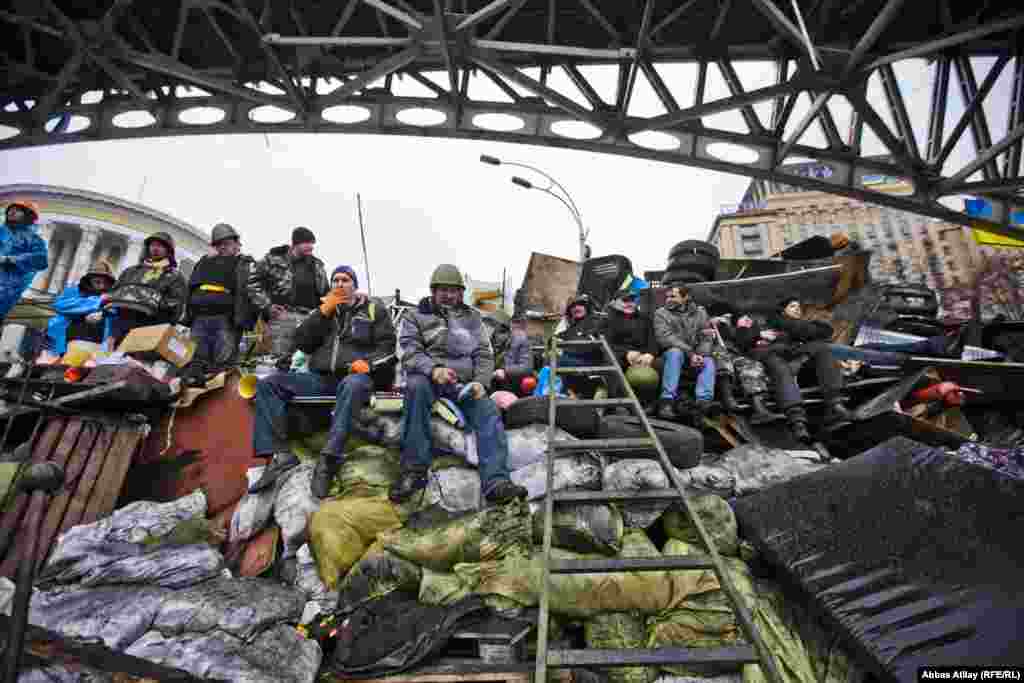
(428,339)
(271,281)
(156,292)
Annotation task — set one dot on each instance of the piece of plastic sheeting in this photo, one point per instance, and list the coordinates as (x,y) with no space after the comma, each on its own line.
(577,471)
(294,505)
(456,489)
(584,528)
(913,555)
(254,510)
(377,573)
(116,615)
(638,474)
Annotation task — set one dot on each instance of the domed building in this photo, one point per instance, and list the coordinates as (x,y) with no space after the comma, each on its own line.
(81,226)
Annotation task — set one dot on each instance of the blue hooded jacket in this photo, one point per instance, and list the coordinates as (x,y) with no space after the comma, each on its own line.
(23,253)
(69,305)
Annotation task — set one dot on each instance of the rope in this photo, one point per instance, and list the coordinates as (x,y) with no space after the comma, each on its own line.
(170,429)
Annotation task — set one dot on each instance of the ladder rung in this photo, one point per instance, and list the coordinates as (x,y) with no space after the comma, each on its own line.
(630,564)
(616,496)
(735,654)
(588,369)
(593,402)
(580,342)
(603,444)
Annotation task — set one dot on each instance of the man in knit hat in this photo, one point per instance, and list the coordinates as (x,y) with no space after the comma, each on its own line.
(345,337)
(286,286)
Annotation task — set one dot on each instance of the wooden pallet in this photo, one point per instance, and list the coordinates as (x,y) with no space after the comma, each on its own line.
(95,455)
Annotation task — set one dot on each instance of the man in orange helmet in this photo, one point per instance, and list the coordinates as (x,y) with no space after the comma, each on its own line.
(23,252)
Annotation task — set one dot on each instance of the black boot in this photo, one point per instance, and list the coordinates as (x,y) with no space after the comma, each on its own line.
(727,396)
(836,412)
(761,414)
(666,409)
(281,463)
(407,485)
(323,475)
(504,491)
(702,408)
(798,424)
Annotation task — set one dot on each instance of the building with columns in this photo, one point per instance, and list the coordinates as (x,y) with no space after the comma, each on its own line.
(81,226)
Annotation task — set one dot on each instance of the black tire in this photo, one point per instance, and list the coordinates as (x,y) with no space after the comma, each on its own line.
(684,445)
(581,422)
(706,272)
(683,277)
(691,247)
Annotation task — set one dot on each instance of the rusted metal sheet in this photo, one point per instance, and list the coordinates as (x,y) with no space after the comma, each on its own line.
(95,455)
(207,444)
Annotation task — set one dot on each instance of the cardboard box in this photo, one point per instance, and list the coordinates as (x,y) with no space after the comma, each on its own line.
(158,341)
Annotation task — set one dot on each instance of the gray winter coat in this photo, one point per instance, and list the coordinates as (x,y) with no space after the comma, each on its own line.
(679,327)
(427,339)
(519,357)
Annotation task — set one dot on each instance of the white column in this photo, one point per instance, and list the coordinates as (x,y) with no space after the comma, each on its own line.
(66,259)
(83,256)
(133,252)
(40,280)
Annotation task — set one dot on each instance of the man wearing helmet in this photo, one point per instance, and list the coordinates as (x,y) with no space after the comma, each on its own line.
(79,317)
(446,352)
(152,292)
(581,325)
(23,253)
(218,301)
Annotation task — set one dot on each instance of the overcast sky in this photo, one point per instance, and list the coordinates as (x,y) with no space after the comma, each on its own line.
(428,201)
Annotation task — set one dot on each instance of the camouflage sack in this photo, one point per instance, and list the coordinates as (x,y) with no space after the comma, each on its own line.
(377,574)
(441,543)
(586,528)
(366,471)
(715,514)
(619,630)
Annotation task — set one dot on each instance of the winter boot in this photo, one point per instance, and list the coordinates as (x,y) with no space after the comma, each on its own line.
(665,409)
(836,413)
(798,424)
(281,463)
(761,414)
(407,485)
(727,396)
(504,491)
(326,470)
(702,408)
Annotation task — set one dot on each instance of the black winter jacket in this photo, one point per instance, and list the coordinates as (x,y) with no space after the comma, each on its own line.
(353,333)
(244,313)
(629,334)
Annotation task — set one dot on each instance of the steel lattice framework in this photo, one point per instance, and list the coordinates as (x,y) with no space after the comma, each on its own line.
(72,70)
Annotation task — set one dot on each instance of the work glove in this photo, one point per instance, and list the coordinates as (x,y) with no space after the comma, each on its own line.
(333,299)
(94,317)
(442,375)
(359,367)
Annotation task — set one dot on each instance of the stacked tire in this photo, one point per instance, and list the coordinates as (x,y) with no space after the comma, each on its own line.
(690,262)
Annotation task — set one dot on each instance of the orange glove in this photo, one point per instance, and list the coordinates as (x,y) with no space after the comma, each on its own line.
(334,298)
(359,367)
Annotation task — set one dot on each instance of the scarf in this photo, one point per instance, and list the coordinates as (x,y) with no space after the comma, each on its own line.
(155,269)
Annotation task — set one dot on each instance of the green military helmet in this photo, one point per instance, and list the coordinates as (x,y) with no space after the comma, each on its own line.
(223,231)
(643,380)
(160,237)
(447,275)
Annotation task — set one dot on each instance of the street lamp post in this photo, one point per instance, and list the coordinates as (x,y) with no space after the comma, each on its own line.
(565,198)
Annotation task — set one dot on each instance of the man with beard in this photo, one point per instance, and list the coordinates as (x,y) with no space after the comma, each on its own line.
(446,352)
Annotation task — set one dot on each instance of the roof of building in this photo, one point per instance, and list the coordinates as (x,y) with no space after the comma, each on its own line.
(99,198)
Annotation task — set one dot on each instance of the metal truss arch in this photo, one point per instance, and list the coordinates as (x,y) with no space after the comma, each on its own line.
(114,69)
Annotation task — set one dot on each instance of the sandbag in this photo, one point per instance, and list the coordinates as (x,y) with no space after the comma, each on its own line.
(637,474)
(619,630)
(307,580)
(455,489)
(386,430)
(113,550)
(584,595)
(382,429)
(293,507)
(526,445)
(116,615)
(378,573)
(715,514)
(705,620)
(254,510)
(277,655)
(366,471)
(578,471)
(755,468)
(490,534)
(440,588)
(341,531)
(242,607)
(584,528)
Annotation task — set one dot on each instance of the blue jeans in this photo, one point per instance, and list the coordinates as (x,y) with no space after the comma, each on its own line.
(481,417)
(674,361)
(216,340)
(269,434)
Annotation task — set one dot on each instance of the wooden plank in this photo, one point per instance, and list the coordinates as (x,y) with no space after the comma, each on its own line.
(12,518)
(30,524)
(447,670)
(88,476)
(115,466)
(61,516)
